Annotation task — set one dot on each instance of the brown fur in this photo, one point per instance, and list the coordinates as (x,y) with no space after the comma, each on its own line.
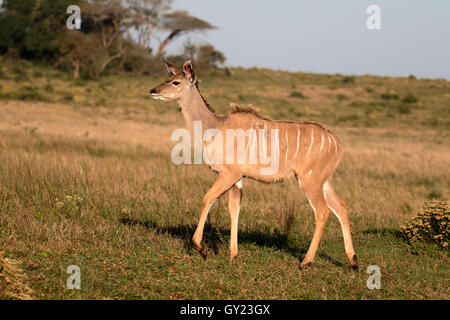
(209,106)
(305,150)
(235,108)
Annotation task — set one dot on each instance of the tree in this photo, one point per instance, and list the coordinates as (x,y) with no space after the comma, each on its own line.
(111,20)
(33,27)
(81,53)
(151,11)
(115,34)
(178,23)
(209,57)
(204,56)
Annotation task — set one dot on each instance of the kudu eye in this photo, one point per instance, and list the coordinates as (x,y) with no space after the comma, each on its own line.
(175,83)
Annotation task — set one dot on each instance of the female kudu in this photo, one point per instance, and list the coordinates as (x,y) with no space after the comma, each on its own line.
(305,150)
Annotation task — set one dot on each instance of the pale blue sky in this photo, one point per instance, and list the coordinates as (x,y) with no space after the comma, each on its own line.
(328,36)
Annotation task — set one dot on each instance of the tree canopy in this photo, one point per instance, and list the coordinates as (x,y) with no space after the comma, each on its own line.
(115,35)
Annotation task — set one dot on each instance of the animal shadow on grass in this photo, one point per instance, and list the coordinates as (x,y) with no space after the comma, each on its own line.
(214,237)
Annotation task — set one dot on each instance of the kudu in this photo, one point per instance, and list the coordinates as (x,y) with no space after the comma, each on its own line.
(305,150)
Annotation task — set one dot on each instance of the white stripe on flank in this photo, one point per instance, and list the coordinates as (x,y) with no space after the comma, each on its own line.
(287,144)
(329,144)
(312,141)
(249,140)
(298,141)
(252,144)
(263,144)
(321,144)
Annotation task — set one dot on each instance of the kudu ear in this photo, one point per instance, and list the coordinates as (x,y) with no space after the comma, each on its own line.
(171,68)
(189,72)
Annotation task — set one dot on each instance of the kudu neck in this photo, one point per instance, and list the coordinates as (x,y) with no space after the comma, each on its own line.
(194,108)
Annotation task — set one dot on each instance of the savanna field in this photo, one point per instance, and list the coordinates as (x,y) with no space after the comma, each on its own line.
(86,179)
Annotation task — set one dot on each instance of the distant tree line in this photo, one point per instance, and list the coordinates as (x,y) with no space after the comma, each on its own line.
(116,35)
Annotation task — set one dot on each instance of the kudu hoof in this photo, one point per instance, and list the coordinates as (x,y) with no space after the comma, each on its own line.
(304,266)
(353,263)
(203,252)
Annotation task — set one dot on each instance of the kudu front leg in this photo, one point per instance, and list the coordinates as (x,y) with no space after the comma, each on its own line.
(222,184)
(234,204)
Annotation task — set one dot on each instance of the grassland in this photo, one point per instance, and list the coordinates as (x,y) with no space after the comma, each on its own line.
(86,179)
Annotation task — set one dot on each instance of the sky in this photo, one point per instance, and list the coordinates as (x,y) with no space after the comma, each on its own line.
(328,36)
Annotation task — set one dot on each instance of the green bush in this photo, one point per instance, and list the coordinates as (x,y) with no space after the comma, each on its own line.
(409,98)
(352,117)
(36,30)
(298,94)
(432,224)
(404,109)
(49,88)
(205,57)
(348,79)
(30,93)
(389,96)
(68,96)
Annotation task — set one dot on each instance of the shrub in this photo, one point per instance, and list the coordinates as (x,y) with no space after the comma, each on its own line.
(139,61)
(389,96)
(432,224)
(17,69)
(431,122)
(404,109)
(348,79)
(409,98)
(49,88)
(37,74)
(205,57)
(351,117)
(298,94)
(68,96)
(30,93)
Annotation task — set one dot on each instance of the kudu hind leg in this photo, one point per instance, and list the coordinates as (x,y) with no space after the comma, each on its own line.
(337,206)
(234,203)
(316,199)
(222,184)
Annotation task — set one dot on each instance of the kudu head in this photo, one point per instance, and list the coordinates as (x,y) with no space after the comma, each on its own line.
(179,82)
